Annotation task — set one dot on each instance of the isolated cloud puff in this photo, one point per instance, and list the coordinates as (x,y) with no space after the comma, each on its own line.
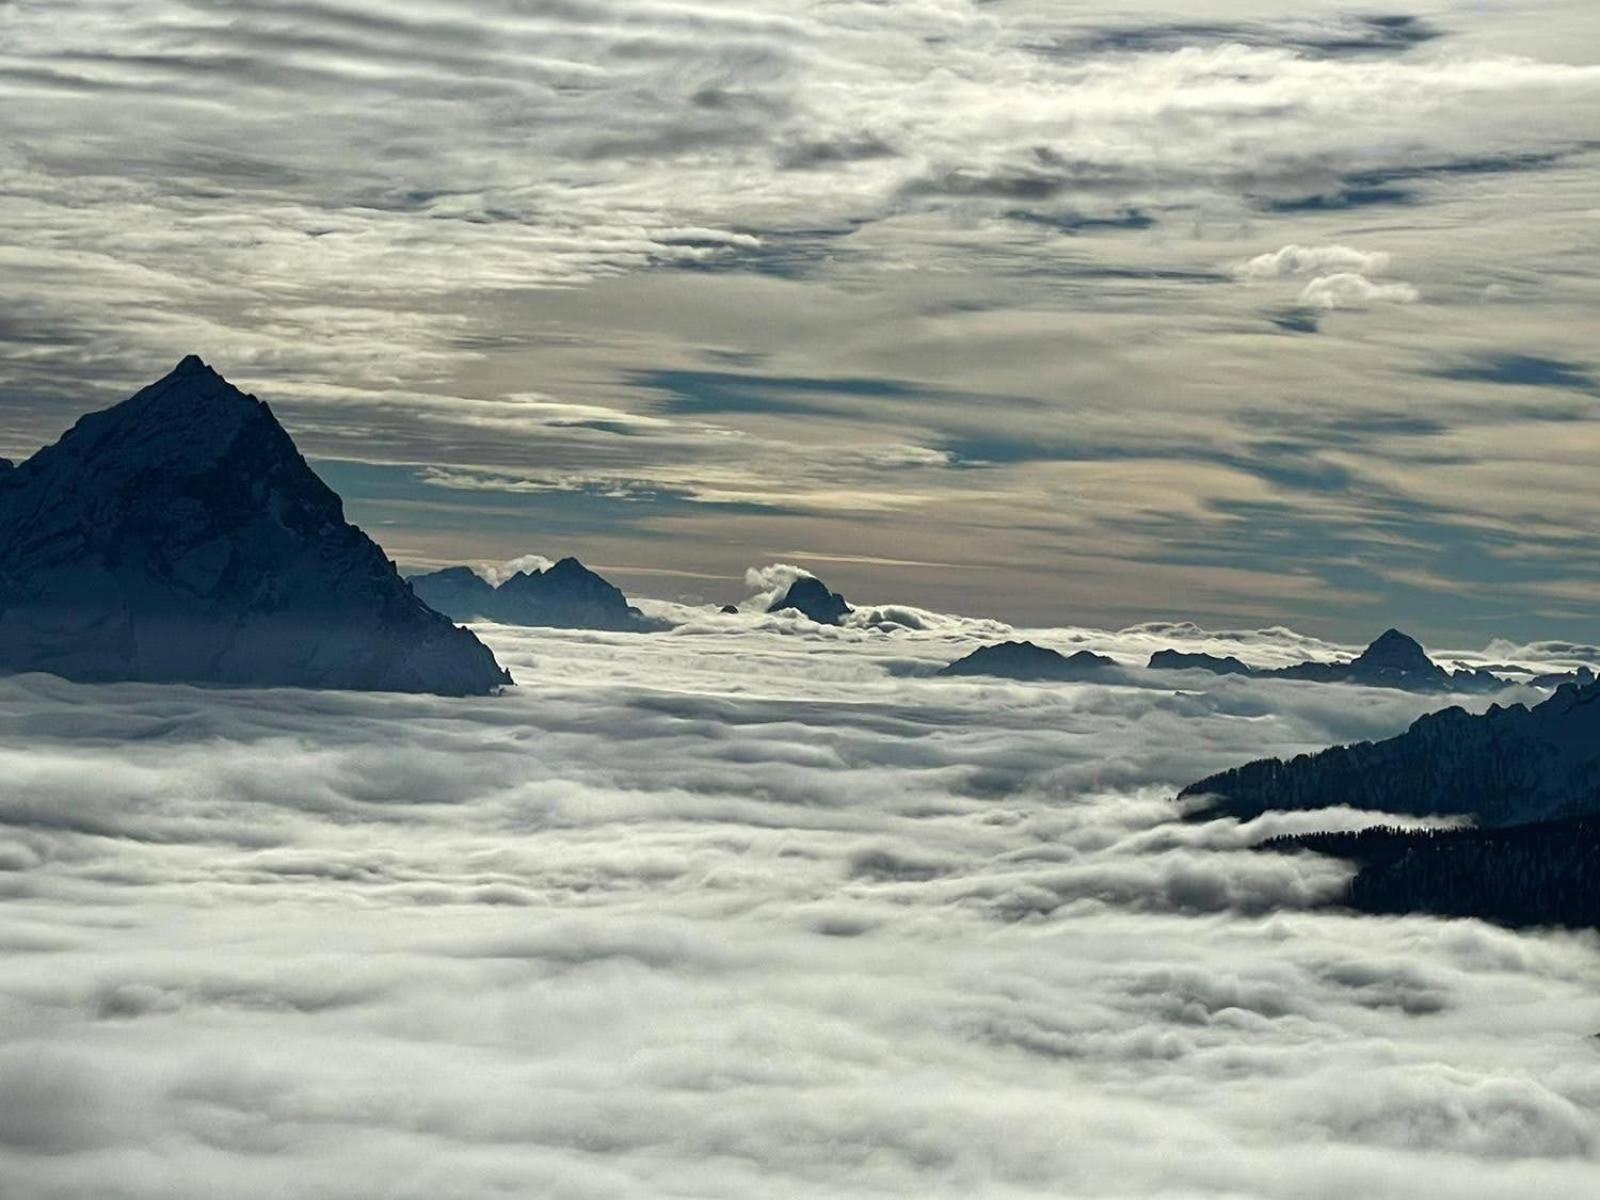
(770,582)
(500,572)
(1347,289)
(1295,261)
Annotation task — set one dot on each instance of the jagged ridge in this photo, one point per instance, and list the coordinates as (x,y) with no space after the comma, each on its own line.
(1508,766)
(567,595)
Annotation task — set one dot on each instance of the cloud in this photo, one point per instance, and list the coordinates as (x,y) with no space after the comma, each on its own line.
(1292,261)
(705,282)
(1347,289)
(734,910)
(498,573)
(771,581)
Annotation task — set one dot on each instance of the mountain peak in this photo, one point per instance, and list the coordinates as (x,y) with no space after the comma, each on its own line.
(191,364)
(1396,651)
(565,595)
(180,536)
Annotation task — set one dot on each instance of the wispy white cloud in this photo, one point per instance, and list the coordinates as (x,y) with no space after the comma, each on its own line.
(477,237)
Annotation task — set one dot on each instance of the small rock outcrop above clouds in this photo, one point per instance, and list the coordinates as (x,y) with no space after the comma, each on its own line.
(1506,767)
(565,596)
(1178,660)
(1029,662)
(180,537)
(810,597)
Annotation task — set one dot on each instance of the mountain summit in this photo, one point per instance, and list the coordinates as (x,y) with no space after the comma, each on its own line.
(180,536)
(1401,656)
(567,595)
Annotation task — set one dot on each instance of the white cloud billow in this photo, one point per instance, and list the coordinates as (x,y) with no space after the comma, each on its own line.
(1293,261)
(733,912)
(498,573)
(1347,289)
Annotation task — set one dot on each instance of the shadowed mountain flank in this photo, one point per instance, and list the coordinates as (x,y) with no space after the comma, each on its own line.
(180,536)
(1505,767)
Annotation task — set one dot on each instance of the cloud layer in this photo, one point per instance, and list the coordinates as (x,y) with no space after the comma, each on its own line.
(747,909)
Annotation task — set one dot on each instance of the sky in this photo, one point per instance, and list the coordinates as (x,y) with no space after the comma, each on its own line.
(1251,313)
(753,907)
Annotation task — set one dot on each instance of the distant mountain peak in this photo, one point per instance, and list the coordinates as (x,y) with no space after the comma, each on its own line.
(564,595)
(1395,651)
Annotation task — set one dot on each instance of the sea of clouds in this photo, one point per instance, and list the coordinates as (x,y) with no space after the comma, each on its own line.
(753,908)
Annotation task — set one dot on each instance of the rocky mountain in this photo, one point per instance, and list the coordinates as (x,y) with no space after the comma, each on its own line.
(180,536)
(565,596)
(1178,660)
(1027,661)
(1508,766)
(810,597)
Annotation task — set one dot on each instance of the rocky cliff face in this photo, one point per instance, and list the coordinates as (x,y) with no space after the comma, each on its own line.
(1509,766)
(180,536)
(566,596)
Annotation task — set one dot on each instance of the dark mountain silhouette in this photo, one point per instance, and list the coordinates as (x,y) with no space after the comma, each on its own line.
(1506,767)
(1395,660)
(1582,677)
(1026,661)
(460,593)
(6,467)
(810,597)
(180,536)
(1547,873)
(565,596)
(730,610)
(1177,660)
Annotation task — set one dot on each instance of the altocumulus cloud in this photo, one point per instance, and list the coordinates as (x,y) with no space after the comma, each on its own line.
(744,909)
(890,270)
